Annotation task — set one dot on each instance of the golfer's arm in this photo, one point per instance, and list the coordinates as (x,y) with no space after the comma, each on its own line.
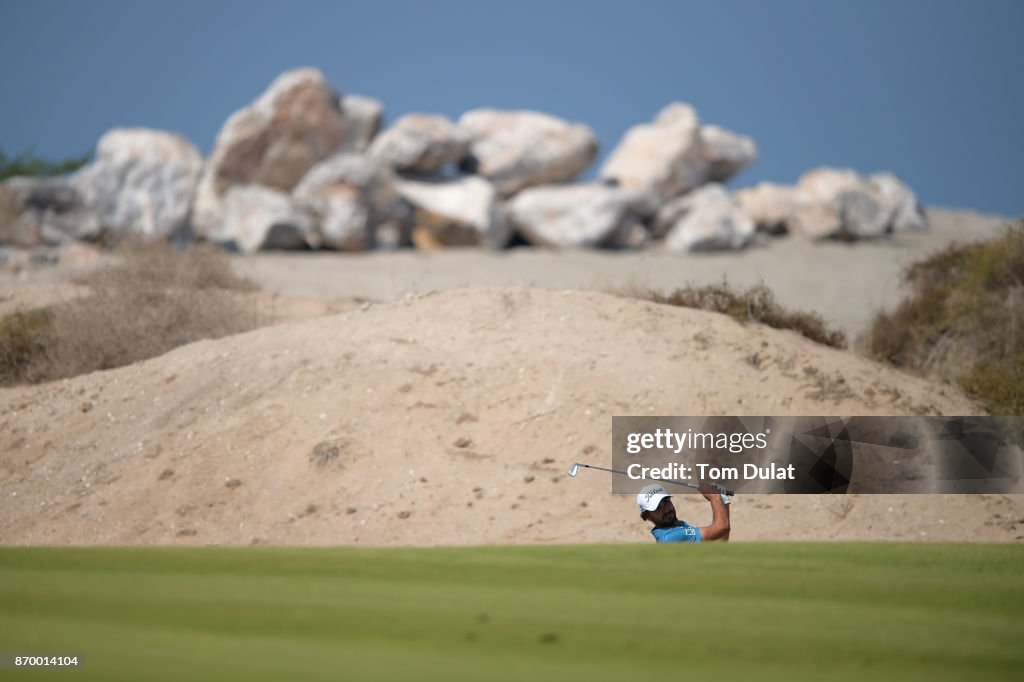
(719,528)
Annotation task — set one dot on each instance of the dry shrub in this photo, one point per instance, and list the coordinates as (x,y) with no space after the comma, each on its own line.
(155,300)
(756,304)
(22,341)
(963,320)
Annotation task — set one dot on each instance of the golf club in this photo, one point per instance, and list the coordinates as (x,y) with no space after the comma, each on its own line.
(574,469)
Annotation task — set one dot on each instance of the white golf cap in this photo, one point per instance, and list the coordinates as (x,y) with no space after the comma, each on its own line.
(651,496)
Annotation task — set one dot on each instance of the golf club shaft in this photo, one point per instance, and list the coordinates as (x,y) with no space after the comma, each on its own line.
(664,480)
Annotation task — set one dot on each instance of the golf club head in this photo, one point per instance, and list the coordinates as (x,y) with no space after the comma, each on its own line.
(574,469)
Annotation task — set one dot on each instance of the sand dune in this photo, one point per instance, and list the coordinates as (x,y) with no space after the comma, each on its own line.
(440,418)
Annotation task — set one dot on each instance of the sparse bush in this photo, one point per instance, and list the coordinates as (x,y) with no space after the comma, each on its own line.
(155,300)
(22,341)
(963,321)
(27,163)
(157,264)
(756,304)
(999,384)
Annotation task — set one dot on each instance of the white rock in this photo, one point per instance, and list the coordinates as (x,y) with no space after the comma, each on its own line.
(839,203)
(706,219)
(519,149)
(864,213)
(813,219)
(816,212)
(769,205)
(272,142)
(677,113)
(420,143)
(141,181)
(583,215)
(662,160)
(457,212)
(842,204)
(352,197)
(46,211)
(258,217)
(363,117)
(726,153)
(908,214)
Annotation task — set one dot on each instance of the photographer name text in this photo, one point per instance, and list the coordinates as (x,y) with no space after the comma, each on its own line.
(707,472)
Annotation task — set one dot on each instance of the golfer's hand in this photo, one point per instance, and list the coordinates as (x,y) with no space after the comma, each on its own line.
(707,491)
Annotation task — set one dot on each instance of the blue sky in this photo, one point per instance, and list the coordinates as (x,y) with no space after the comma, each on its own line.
(931,90)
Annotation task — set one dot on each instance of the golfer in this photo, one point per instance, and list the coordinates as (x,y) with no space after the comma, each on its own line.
(656,506)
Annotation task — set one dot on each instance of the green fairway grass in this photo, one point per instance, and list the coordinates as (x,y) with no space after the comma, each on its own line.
(599,612)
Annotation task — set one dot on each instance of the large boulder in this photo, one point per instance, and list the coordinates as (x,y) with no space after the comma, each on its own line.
(353,198)
(363,117)
(141,181)
(32,193)
(48,211)
(583,215)
(458,212)
(257,217)
(421,144)
(272,142)
(519,149)
(661,160)
(840,204)
(769,205)
(907,211)
(726,153)
(707,219)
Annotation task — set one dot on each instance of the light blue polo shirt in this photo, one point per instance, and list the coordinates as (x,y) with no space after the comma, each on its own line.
(681,532)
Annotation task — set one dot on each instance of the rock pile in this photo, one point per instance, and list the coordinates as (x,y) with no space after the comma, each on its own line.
(305,167)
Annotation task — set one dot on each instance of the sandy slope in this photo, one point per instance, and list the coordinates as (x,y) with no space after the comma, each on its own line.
(444,418)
